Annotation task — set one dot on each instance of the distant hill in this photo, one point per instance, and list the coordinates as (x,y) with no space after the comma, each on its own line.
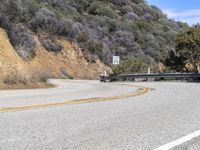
(102,28)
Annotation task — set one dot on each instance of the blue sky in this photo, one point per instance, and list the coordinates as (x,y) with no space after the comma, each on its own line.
(180,10)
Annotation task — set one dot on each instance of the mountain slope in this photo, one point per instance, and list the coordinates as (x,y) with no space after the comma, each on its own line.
(129,28)
(67,63)
(10,62)
(41,32)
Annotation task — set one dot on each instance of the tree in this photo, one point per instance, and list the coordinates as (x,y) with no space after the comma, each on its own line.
(175,62)
(188,46)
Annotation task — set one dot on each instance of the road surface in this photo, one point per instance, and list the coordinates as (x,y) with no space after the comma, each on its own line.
(134,122)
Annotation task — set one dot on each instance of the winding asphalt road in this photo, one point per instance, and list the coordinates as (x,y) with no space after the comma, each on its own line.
(132,122)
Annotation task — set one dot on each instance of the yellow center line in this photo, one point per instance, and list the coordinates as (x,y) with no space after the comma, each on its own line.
(141,91)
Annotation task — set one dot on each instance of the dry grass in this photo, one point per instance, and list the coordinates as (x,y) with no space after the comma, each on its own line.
(28,85)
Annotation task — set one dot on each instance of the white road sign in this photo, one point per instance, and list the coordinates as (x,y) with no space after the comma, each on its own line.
(116,60)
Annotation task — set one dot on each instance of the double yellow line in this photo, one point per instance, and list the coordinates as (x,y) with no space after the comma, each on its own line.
(141,91)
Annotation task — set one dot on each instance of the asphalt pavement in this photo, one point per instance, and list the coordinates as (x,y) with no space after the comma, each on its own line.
(146,122)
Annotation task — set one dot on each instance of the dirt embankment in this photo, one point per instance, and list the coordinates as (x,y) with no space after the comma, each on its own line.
(70,62)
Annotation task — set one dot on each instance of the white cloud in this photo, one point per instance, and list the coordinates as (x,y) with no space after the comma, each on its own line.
(189,16)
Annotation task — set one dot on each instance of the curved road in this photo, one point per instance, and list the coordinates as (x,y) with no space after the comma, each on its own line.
(146,122)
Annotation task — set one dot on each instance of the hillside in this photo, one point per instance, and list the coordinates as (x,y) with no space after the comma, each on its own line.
(66,64)
(129,28)
(42,33)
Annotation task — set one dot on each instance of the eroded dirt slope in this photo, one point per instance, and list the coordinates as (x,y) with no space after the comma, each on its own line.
(69,62)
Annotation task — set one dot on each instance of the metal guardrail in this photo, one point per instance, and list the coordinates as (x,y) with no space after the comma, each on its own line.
(161,75)
(193,76)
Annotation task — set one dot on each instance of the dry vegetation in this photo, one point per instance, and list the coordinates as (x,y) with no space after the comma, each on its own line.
(76,38)
(129,28)
(69,62)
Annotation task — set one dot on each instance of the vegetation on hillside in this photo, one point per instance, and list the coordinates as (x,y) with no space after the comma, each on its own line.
(186,56)
(129,28)
(131,66)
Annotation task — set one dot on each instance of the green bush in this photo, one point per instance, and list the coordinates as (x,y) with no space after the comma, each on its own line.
(99,8)
(131,66)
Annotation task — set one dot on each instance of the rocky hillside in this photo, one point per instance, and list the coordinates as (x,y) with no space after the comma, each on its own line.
(68,63)
(74,37)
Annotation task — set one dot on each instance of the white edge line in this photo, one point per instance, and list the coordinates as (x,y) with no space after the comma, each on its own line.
(179,141)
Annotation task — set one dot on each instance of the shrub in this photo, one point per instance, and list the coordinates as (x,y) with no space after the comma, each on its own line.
(82,37)
(23,41)
(52,45)
(5,23)
(126,9)
(15,78)
(45,20)
(125,39)
(80,5)
(95,47)
(99,8)
(120,2)
(147,17)
(68,24)
(171,35)
(131,16)
(70,77)
(131,66)
(10,9)
(156,12)
(76,29)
